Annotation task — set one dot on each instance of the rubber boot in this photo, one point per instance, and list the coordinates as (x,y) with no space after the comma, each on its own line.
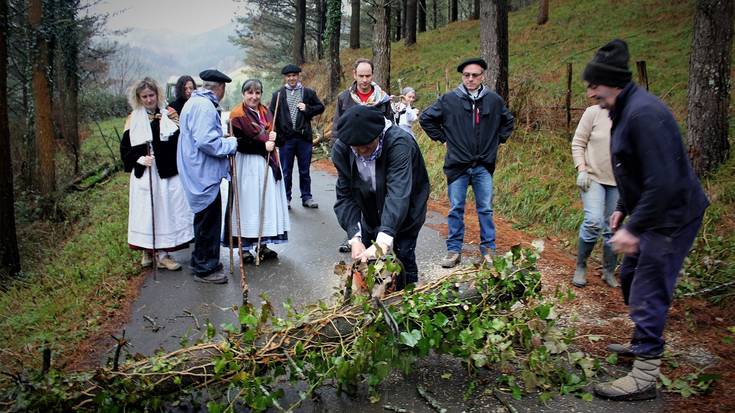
(609,262)
(639,384)
(584,249)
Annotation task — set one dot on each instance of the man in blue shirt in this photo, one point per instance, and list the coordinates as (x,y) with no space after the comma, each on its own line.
(202,159)
(659,212)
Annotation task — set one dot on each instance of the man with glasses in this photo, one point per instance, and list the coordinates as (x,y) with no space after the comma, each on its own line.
(471,121)
(382,187)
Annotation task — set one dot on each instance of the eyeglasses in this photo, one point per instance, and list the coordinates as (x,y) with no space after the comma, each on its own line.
(473,75)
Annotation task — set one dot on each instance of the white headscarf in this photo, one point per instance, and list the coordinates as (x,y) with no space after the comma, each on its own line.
(140,127)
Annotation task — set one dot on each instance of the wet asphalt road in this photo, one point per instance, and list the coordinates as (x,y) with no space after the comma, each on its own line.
(172,309)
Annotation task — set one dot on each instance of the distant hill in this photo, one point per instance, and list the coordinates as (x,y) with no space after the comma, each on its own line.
(163,54)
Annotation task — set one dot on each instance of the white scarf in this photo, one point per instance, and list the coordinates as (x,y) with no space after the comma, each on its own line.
(140,127)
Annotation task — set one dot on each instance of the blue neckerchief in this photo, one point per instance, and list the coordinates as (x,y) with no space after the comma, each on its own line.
(297,87)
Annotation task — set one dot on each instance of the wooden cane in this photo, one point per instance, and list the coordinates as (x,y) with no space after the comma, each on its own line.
(229,207)
(243,278)
(229,221)
(153,215)
(265,185)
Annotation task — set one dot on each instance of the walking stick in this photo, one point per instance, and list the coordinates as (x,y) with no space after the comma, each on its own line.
(265,185)
(243,278)
(229,220)
(153,215)
(229,208)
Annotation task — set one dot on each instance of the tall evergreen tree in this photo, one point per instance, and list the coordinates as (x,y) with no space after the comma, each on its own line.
(355,25)
(9,257)
(422,15)
(45,146)
(494,44)
(709,84)
(299,33)
(381,44)
(334,25)
(411,22)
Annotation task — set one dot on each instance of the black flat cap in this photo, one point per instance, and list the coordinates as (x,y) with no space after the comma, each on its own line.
(472,61)
(291,68)
(214,75)
(360,125)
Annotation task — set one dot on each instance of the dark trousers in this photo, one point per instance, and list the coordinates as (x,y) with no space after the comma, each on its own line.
(302,150)
(405,249)
(648,280)
(207,228)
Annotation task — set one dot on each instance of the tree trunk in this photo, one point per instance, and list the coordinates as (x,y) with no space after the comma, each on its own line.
(543,12)
(321,12)
(475,10)
(67,35)
(434,13)
(410,22)
(421,9)
(398,28)
(334,22)
(299,33)
(9,257)
(453,7)
(494,44)
(709,84)
(381,45)
(45,147)
(404,18)
(355,25)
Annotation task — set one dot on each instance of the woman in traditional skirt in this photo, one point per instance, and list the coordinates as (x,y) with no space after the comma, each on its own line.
(148,150)
(251,123)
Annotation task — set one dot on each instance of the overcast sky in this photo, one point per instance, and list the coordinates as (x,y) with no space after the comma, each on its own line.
(183,16)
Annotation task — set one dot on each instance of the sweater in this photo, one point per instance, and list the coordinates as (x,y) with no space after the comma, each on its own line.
(591,145)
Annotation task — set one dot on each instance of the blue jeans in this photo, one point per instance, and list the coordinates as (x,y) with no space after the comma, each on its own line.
(482,185)
(599,203)
(300,149)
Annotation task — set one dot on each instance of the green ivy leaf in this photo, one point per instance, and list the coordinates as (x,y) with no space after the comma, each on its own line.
(412,338)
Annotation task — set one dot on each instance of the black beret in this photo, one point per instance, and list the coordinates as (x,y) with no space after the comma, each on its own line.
(291,68)
(360,125)
(214,75)
(472,61)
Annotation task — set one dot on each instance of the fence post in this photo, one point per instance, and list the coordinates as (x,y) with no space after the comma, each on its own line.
(568,103)
(642,73)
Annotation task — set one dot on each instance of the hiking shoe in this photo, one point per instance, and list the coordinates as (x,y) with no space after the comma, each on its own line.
(639,384)
(344,246)
(310,203)
(621,350)
(147,259)
(580,277)
(214,278)
(451,259)
(168,264)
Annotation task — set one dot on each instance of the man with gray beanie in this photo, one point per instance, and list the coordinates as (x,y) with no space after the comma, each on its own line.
(659,212)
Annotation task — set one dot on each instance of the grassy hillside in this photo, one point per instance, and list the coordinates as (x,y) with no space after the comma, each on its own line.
(535,176)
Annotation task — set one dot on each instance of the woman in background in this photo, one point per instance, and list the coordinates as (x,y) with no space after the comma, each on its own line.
(148,150)
(405,113)
(591,154)
(183,89)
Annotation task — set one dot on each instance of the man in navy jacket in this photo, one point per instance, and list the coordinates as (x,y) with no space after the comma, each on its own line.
(472,122)
(659,212)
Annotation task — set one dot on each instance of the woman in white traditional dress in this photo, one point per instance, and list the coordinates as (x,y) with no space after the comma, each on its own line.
(405,114)
(148,151)
(251,124)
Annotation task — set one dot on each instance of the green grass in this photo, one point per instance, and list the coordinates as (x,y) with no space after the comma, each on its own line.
(75,271)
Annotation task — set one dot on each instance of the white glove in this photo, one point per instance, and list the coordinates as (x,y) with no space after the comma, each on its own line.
(145,160)
(583,181)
